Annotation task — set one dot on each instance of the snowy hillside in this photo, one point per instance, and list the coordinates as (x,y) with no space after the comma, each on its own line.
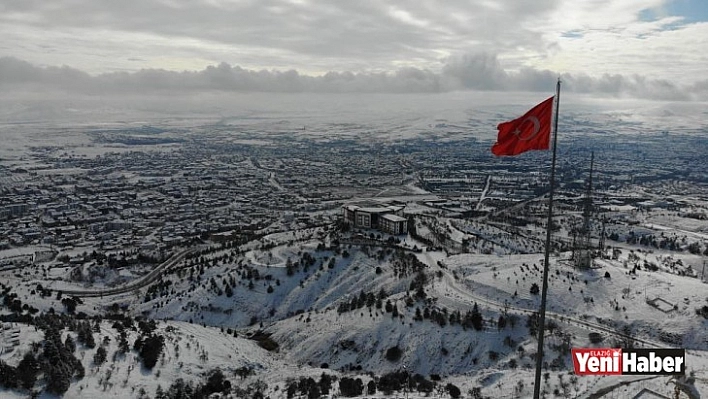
(358,310)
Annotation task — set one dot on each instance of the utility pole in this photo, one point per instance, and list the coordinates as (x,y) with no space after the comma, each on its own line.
(601,243)
(585,254)
(408,380)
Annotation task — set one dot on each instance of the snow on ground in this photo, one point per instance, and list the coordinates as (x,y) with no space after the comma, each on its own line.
(190,352)
(301,312)
(621,297)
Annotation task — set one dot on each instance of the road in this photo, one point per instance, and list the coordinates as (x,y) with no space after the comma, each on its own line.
(133,285)
(484,193)
(447,276)
(467,295)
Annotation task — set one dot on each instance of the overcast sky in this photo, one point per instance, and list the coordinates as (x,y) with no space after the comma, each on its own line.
(639,48)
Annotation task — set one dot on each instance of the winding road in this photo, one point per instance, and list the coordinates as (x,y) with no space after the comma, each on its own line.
(133,285)
(464,293)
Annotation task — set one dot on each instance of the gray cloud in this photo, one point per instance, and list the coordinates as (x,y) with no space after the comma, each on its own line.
(14,72)
(366,36)
(478,71)
(358,35)
(468,72)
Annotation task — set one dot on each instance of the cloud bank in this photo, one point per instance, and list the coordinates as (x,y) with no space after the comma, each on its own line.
(481,72)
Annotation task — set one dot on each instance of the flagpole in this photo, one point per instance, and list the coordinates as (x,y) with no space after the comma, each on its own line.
(544,290)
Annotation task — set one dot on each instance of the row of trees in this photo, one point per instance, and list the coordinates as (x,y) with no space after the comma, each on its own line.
(309,388)
(472,319)
(215,383)
(354,386)
(673,243)
(365,299)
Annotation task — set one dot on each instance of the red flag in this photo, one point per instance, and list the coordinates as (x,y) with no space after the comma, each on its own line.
(530,132)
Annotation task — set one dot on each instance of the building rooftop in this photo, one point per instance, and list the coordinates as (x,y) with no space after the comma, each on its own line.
(375,210)
(394,218)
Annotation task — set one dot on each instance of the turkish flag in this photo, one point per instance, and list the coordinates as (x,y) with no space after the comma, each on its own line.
(529,132)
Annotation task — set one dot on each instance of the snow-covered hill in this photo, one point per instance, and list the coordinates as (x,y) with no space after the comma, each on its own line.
(367,311)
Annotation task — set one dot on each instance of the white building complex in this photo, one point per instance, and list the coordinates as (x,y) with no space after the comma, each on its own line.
(388,219)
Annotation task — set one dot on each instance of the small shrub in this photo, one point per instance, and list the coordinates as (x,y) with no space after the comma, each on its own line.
(394,354)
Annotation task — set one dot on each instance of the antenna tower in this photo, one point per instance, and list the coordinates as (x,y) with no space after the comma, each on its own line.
(584,253)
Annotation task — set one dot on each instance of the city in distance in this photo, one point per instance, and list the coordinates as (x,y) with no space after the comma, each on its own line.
(308,245)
